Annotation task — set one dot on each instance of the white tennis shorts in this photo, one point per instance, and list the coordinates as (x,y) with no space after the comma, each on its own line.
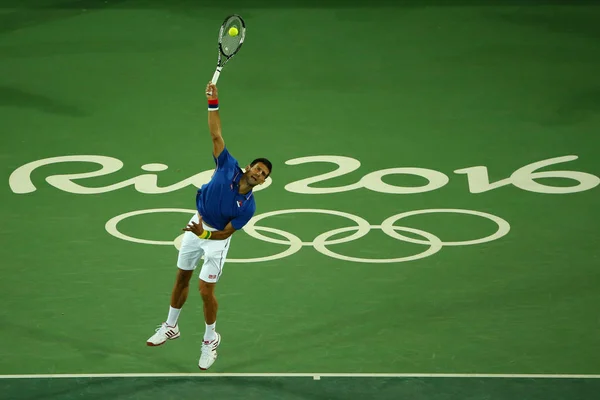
(214,252)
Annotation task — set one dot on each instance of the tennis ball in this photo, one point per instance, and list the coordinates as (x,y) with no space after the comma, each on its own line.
(233,31)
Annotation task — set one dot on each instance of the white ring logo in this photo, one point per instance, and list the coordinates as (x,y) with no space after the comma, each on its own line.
(322,241)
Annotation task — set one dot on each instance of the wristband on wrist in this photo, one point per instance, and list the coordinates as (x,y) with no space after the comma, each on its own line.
(213,105)
(205,235)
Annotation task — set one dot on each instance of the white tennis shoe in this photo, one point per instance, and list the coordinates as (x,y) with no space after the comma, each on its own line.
(209,353)
(163,333)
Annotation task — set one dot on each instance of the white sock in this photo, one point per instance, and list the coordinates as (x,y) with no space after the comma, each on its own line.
(173,316)
(210,333)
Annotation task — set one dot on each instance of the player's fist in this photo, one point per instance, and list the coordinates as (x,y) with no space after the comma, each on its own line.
(211,91)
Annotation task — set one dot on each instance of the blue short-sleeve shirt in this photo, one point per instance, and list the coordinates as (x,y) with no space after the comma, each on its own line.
(219,201)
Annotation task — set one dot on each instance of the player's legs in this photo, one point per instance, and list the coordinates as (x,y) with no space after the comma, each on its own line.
(179,294)
(189,254)
(169,329)
(214,259)
(207,292)
(212,268)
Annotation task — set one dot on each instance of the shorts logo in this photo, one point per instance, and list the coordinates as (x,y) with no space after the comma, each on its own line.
(212,277)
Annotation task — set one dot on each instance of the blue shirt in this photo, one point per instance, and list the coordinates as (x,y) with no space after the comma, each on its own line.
(219,201)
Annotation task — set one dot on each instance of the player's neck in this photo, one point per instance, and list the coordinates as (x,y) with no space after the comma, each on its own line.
(244,186)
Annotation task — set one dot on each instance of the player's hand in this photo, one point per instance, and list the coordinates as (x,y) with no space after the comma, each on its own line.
(211,91)
(195,228)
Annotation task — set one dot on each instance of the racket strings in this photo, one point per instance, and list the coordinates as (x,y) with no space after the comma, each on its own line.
(230,44)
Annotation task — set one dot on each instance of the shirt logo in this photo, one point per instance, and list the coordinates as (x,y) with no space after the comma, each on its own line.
(239,203)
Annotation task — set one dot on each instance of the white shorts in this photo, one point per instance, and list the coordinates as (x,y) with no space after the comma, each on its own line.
(214,252)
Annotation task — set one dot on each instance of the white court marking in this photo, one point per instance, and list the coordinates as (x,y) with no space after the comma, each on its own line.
(313,375)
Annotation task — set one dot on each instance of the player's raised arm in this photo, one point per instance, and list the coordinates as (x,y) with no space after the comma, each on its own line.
(214,119)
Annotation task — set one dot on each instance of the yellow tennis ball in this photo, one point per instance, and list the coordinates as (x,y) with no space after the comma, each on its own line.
(233,31)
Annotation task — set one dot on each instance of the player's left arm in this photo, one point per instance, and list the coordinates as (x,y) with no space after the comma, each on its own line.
(198,230)
(224,234)
(234,225)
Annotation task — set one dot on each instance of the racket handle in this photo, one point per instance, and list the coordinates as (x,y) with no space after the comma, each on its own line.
(215,77)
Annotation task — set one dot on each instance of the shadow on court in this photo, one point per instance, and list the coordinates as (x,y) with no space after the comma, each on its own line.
(15,97)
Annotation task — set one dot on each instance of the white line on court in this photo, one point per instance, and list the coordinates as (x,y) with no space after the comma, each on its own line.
(302,375)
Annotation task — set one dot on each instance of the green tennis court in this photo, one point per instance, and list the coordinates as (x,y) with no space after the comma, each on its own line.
(430,230)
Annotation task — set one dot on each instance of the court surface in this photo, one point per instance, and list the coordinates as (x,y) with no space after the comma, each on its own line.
(429,232)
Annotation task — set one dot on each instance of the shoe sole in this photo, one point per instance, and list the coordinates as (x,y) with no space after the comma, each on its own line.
(161,343)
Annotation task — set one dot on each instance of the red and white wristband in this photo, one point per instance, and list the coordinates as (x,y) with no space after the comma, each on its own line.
(213,105)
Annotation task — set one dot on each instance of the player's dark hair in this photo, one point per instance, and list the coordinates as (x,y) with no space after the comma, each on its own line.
(264,161)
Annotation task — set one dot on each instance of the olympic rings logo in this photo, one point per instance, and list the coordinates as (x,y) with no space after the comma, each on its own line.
(323,242)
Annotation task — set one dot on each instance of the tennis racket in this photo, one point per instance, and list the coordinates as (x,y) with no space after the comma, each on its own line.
(229,45)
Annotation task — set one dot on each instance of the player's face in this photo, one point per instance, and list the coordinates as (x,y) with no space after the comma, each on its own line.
(257,174)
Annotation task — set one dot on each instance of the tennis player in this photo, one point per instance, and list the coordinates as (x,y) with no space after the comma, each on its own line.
(225,205)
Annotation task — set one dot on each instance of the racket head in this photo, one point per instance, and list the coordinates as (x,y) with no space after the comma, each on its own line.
(230,45)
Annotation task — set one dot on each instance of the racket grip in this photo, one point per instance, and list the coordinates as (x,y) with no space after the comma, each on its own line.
(215,77)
